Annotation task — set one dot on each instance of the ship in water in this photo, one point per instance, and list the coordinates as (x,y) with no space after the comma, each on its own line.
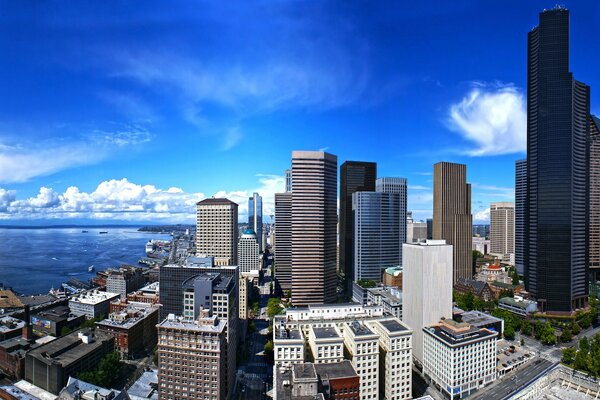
(103,232)
(84,231)
(91,268)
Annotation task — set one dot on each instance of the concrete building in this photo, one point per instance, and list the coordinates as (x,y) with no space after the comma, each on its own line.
(452,219)
(192,359)
(396,186)
(255,218)
(362,345)
(80,390)
(395,358)
(388,297)
(283,240)
(10,327)
(52,321)
(594,198)
(217,230)
(458,358)
(326,344)
(558,132)
(480,244)
(502,230)
(249,253)
(393,277)
(520,203)
(288,345)
(338,380)
(355,176)
(148,294)
(314,227)
(378,225)
(133,329)
(518,305)
(124,280)
(50,365)
(92,304)
(426,287)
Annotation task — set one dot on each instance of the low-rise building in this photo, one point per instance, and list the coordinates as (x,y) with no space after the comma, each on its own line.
(133,328)
(338,380)
(10,327)
(79,390)
(493,273)
(326,344)
(9,301)
(288,346)
(123,280)
(362,345)
(50,365)
(148,294)
(478,288)
(92,304)
(392,276)
(308,381)
(389,297)
(52,321)
(483,320)
(459,358)
(518,305)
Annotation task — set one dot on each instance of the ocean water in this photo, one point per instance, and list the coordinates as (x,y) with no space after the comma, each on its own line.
(32,261)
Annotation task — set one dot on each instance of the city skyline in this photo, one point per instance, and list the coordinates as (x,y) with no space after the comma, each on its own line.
(92,147)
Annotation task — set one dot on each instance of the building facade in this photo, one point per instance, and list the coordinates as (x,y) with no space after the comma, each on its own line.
(594,227)
(255,220)
(283,240)
(363,346)
(124,280)
(249,253)
(502,230)
(556,217)
(452,219)
(217,230)
(314,227)
(520,203)
(355,176)
(426,287)
(92,304)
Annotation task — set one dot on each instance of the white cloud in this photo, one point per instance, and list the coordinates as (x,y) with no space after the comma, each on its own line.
(120,199)
(482,216)
(493,118)
(232,138)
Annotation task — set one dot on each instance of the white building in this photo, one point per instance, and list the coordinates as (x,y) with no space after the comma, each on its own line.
(458,358)
(426,287)
(93,303)
(502,230)
(249,253)
(326,345)
(288,346)
(395,347)
(217,230)
(389,297)
(363,346)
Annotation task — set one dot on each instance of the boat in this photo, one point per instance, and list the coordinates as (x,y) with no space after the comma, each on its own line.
(103,232)
(84,231)
(91,268)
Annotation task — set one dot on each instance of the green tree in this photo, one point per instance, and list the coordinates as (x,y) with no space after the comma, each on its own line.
(575,328)
(581,361)
(566,335)
(515,278)
(594,308)
(274,307)
(526,328)
(548,336)
(509,332)
(366,283)
(584,345)
(107,372)
(522,342)
(65,331)
(539,330)
(568,355)
(586,320)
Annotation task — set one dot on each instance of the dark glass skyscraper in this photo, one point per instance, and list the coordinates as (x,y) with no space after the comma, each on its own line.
(556,214)
(594,222)
(255,221)
(355,176)
(520,200)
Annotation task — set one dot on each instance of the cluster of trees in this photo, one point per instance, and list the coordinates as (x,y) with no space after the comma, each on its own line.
(469,302)
(512,323)
(586,357)
(366,283)
(107,373)
(274,307)
(88,323)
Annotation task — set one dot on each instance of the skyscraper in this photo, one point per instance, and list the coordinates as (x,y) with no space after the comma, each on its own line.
(396,186)
(502,230)
(255,221)
(452,219)
(594,227)
(283,240)
(556,217)
(355,176)
(314,227)
(376,233)
(248,253)
(520,202)
(217,230)
(288,180)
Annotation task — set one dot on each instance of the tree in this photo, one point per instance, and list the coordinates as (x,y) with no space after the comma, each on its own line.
(515,278)
(581,361)
(107,373)
(539,329)
(566,336)
(366,283)
(586,320)
(509,332)
(575,328)
(506,293)
(526,328)
(548,336)
(65,331)
(568,355)
(274,307)
(594,308)
(522,342)
(584,345)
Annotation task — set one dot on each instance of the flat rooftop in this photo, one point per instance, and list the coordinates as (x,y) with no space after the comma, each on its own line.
(478,318)
(289,334)
(120,319)
(326,333)
(464,334)
(9,300)
(59,313)
(393,325)
(359,329)
(192,326)
(8,324)
(342,369)
(94,297)
(68,349)
(304,371)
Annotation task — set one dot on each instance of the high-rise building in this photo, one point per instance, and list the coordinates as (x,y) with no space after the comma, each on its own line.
(314,227)
(288,180)
(377,227)
(248,253)
(502,230)
(283,240)
(556,217)
(396,186)
(429,228)
(520,202)
(217,230)
(362,344)
(594,227)
(426,288)
(355,176)
(255,221)
(452,219)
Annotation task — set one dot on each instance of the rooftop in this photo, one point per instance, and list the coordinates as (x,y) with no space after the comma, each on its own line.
(146,387)
(129,317)
(304,371)
(9,300)
(325,333)
(215,201)
(393,325)
(289,334)
(94,297)
(68,349)
(515,303)
(177,323)
(59,313)
(8,324)
(359,329)
(454,333)
(342,369)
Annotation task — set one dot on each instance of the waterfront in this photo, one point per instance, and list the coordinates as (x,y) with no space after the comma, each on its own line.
(34,260)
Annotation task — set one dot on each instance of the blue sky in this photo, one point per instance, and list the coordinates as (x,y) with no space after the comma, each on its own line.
(134,110)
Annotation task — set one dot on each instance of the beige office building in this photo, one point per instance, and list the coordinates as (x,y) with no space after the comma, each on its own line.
(217,230)
(502,230)
(452,218)
(314,227)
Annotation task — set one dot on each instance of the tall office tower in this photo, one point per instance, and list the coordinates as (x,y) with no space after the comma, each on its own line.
(314,227)
(520,201)
(429,228)
(396,186)
(255,221)
(248,253)
(217,230)
(283,240)
(377,230)
(502,229)
(556,217)
(355,176)
(288,180)
(426,288)
(594,227)
(452,219)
